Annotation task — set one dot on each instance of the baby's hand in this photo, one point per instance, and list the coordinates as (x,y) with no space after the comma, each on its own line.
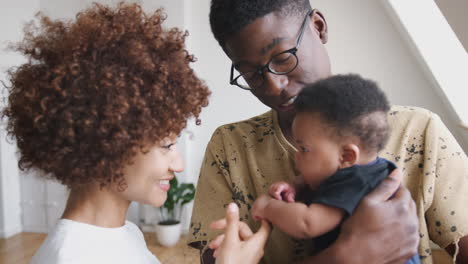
(283,191)
(258,208)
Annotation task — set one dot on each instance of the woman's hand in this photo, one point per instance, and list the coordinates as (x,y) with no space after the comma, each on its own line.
(238,244)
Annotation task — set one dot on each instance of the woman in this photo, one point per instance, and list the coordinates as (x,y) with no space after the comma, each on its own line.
(98,107)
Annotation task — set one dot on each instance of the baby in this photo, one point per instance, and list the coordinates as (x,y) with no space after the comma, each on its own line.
(340,126)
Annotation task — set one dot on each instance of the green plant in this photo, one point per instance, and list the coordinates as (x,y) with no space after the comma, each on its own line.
(177,196)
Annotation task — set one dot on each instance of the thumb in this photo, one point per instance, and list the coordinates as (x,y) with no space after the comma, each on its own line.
(262,234)
(232,228)
(387,187)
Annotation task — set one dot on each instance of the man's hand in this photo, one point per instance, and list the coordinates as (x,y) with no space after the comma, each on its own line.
(258,208)
(239,244)
(382,230)
(283,191)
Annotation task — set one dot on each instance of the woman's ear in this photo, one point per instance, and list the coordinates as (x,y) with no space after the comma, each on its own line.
(349,155)
(320,25)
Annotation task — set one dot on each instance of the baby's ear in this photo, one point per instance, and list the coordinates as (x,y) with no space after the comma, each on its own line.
(349,155)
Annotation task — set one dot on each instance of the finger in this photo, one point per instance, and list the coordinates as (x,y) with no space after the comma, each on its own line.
(272,189)
(290,197)
(232,228)
(402,194)
(244,231)
(262,234)
(218,224)
(277,195)
(386,188)
(215,243)
(405,202)
(405,207)
(276,187)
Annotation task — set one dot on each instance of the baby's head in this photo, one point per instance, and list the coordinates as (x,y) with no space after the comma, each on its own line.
(341,121)
(102,98)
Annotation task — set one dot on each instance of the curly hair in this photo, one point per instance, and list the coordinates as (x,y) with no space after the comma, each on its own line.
(351,104)
(228,17)
(97,90)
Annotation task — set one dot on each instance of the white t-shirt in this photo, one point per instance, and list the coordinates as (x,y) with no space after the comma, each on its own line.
(72,242)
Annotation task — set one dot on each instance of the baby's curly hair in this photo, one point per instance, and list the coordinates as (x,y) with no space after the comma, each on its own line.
(352,105)
(97,90)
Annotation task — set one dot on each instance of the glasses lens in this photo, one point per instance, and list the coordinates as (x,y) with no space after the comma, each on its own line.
(249,80)
(283,63)
(254,79)
(242,83)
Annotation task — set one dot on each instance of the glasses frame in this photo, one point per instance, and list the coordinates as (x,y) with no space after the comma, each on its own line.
(261,70)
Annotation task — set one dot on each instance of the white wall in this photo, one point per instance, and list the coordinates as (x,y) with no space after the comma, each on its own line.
(362,39)
(12,16)
(438,51)
(227,103)
(455,12)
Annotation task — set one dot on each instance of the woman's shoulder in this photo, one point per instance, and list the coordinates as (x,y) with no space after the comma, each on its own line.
(55,245)
(75,242)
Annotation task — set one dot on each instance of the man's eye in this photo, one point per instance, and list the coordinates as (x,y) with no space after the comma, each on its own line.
(281,58)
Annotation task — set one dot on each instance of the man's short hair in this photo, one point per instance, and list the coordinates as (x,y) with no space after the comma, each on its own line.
(228,17)
(350,104)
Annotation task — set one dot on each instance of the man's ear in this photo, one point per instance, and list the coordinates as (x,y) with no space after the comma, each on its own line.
(320,25)
(349,155)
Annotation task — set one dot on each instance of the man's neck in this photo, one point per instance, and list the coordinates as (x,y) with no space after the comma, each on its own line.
(285,121)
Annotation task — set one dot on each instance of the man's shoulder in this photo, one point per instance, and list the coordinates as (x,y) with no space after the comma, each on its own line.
(403,115)
(413,111)
(253,122)
(245,128)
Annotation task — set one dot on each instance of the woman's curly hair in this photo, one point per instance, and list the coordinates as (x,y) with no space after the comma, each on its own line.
(97,90)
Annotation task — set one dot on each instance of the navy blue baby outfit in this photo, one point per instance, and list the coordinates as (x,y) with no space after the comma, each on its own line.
(344,190)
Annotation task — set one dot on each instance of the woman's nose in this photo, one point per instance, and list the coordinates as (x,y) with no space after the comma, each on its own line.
(177,164)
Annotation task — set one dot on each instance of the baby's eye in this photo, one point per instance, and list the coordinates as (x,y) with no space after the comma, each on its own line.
(303,149)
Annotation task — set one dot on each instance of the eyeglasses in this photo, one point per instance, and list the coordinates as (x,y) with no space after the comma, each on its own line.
(280,64)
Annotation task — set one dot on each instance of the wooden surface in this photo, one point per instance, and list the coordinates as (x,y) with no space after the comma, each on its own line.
(179,254)
(19,249)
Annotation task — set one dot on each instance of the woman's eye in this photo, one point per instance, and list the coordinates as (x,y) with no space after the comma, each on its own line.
(168,146)
(304,149)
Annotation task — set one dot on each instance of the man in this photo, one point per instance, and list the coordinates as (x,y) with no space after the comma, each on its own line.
(276,47)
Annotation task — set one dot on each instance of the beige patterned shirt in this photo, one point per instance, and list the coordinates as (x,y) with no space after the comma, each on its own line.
(244,158)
